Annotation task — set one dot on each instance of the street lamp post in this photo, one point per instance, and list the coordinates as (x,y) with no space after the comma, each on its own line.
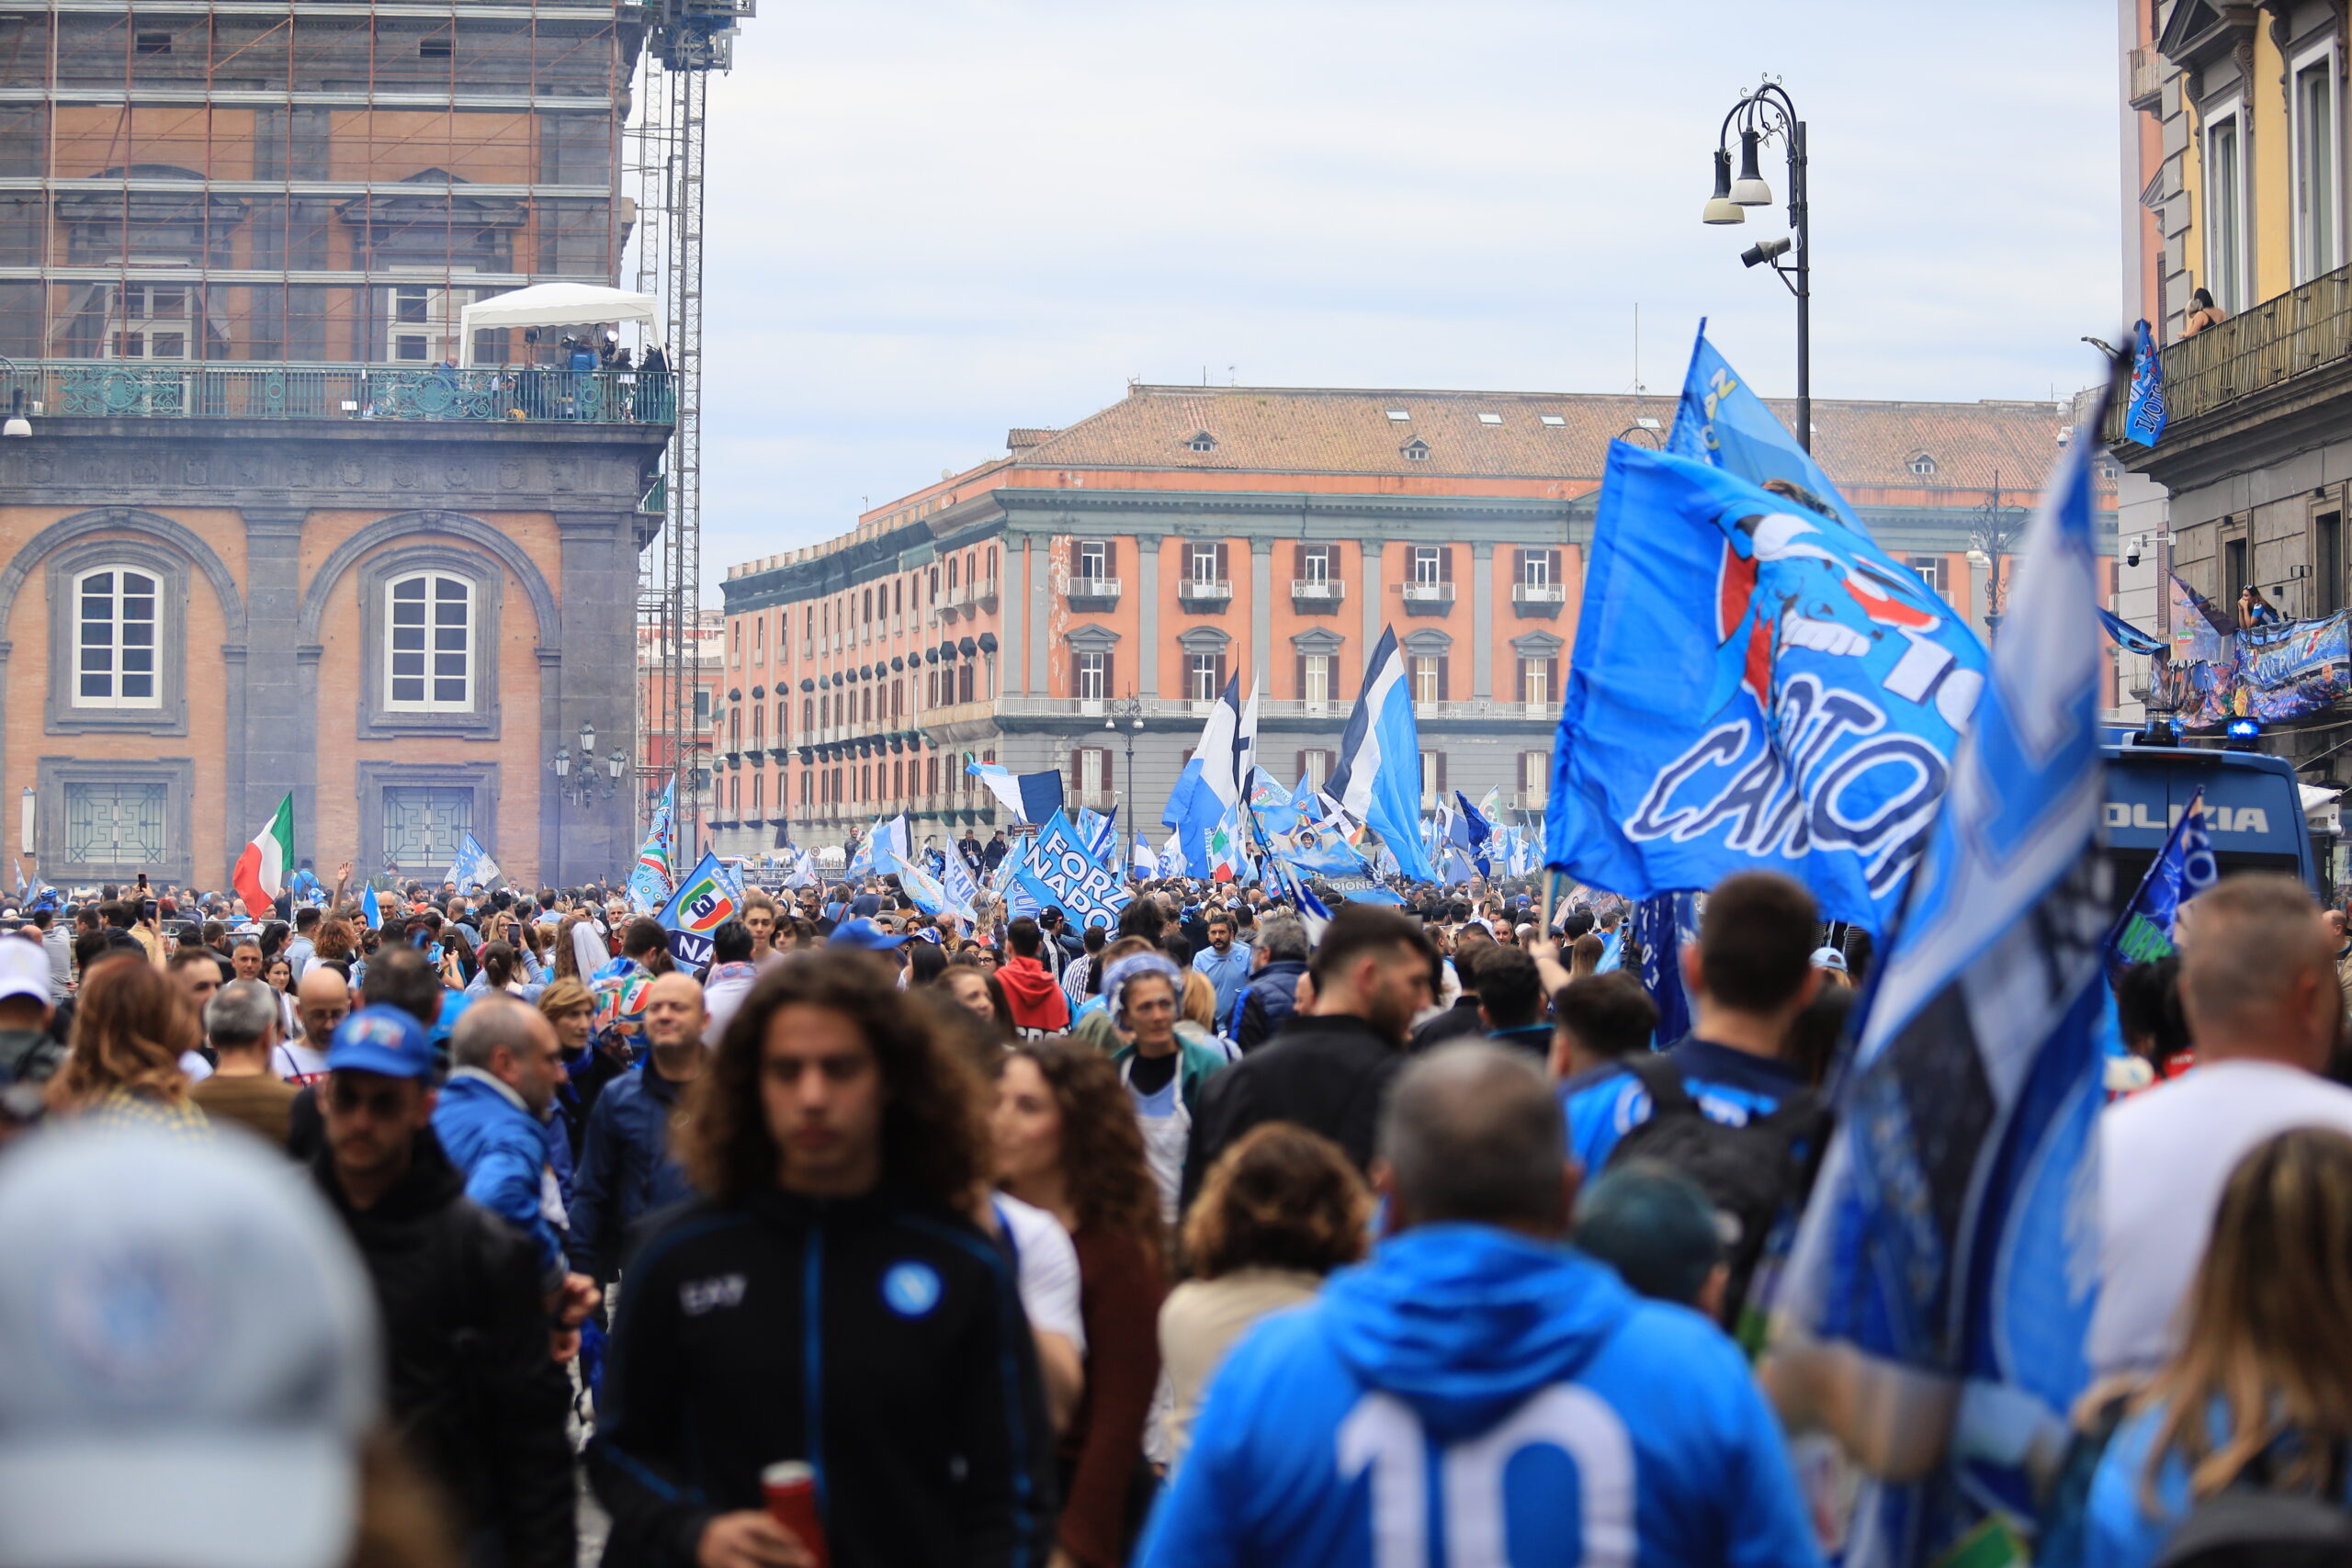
(580,782)
(1767,114)
(1130,709)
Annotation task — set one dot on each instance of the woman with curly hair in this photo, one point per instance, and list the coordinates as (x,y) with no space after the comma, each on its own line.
(1278,1210)
(1067,1142)
(131,1025)
(829,1299)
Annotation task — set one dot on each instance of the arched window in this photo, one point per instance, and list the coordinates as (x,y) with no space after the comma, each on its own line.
(759,783)
(428,643)
(934,585)
(992,563)
(951,574)
(115,640)
(969,575)
(807,715)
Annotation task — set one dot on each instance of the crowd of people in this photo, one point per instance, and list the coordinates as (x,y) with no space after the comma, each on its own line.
(1219,1236)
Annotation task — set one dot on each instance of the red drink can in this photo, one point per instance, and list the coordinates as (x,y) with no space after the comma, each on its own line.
(790,1487)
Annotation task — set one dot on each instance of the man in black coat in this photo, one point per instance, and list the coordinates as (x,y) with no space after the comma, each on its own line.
(1327,1071)
(476,1392)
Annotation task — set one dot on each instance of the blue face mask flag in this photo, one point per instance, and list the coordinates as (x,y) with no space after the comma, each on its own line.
(1720,421)
(1755,687)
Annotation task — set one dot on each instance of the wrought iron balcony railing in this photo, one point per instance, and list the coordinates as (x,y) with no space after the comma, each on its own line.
(2293,334)
(125,388)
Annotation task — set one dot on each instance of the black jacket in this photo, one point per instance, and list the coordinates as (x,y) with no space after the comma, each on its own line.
(1266,1004)
(1328,1073)
(1460,1022)
(475,1394)
(912,1387)
(30,1056)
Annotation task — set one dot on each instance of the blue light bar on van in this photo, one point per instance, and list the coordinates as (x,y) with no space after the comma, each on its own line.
(2243,734)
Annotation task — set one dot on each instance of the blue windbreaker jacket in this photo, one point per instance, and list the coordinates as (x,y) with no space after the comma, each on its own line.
(503,1149)
(1475,1396)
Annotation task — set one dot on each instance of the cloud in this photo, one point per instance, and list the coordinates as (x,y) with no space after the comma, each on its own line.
(930,220)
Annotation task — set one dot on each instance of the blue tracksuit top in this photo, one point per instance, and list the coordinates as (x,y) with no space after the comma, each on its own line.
(1471,1395)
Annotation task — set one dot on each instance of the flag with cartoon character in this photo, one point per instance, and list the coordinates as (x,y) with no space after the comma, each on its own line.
(1755,685)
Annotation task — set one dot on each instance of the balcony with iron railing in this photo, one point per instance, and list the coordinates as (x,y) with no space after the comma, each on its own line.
(1092,591)
(1428,598)
(2298,341)
(127,389)
(1312,593)
(1205,592)
(1538,598)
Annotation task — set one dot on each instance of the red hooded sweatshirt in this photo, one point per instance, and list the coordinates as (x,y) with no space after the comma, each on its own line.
(1036,996)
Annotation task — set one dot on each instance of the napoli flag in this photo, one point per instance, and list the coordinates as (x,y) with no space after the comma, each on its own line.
(1378,779)
(2182,869)
(1950,1243)
(1755,686)
(1722,421)
(2144,419)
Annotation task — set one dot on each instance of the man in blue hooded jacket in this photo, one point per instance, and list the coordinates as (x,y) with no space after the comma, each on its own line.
(1479,1391)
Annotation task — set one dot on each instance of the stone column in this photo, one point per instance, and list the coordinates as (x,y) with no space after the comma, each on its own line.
(590,677)
(1261,609)
(1482,620)
(1013,589)
(1041,614)
(275,748)
(1147,650)
(1372,613)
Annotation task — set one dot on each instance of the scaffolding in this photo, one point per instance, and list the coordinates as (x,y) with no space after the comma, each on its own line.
(687,40)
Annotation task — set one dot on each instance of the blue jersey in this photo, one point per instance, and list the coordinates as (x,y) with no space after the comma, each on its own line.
(1476,1397)
(1731,1086)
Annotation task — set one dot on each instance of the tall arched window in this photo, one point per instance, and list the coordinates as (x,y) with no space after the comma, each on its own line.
(428,638)
(115,640)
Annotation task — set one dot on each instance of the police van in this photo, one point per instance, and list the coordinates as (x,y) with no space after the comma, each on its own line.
(2254,811)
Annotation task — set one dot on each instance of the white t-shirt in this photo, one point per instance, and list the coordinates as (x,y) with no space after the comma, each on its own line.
(193,1064)
(1048,1274)
(298,1063)
(2164,1157)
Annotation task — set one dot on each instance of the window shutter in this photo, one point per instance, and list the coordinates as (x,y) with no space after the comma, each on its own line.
(1302,677)
(1298,562)
(1110,675)
(1110,558)
(1441,776)
(1519,691)
(1442,660)
(1076,668)
(1552,679)
(1338,691)
(1077,772)
(1222,574)
(1445,563)
(1552,557)
(1220,672)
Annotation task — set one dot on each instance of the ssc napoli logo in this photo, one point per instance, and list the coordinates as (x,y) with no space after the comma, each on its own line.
(911,1289)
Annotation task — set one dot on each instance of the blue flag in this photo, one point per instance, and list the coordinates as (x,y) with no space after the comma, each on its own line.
(1944,1242)
(1722,422)
(1192,813)
(649,879)
(2182,869)
(956,879)
(1476,834)
(1100,831)
(1378,778)
(2126,635)
(1056,872)
(702,904)
(2144,418)
(370,911)
(1662,923)
(1755,687)
(474,868)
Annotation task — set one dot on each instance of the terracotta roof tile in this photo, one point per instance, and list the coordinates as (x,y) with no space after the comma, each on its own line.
(1286,430)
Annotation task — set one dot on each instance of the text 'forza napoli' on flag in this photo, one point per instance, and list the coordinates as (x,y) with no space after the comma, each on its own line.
(1057,872)
(1755,687)
(1945,1271)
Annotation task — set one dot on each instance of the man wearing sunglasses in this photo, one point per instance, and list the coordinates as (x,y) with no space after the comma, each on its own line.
(473,1387)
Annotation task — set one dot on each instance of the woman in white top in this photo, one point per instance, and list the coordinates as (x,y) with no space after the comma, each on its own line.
(1280,1209)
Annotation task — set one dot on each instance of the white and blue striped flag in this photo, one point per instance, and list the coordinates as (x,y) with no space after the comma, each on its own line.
(1378,779)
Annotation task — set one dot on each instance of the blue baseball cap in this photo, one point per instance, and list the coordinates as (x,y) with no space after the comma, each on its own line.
(864,933)
(380,1039)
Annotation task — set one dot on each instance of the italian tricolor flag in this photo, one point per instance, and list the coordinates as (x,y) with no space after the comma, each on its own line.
(261,869)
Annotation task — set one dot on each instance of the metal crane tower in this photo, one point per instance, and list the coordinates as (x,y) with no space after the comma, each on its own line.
(687,40)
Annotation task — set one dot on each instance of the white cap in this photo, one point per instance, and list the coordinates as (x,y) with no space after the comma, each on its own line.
(24,968)
(189,1358)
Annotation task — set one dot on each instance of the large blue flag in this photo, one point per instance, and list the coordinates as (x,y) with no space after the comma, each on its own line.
(1190,822)
(701,905)
(1056,872)
(1476,833)
(472,869)
(1722,422)
(2126,635)
(2182,869)
(1378,779)
(2144,416)
(1755,687)
(1946,1242)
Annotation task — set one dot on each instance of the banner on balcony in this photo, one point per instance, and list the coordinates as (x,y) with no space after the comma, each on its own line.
(2272,673)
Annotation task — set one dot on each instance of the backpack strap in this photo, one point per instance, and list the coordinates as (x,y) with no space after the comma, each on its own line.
(1659,1074)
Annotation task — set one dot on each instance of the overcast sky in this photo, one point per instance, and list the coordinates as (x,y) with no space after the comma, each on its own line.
(931,220)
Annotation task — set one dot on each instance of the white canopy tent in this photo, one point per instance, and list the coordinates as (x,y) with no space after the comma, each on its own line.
(555,305)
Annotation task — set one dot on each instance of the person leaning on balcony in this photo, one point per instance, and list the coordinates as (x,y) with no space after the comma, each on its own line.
(2202,313)
(2254,610)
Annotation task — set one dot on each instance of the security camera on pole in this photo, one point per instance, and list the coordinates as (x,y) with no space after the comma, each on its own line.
(1767,114)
